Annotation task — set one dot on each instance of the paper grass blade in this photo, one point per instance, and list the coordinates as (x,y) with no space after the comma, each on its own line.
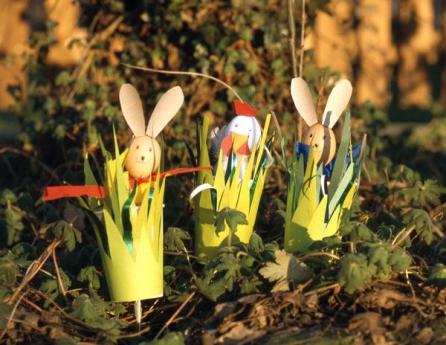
(311,213)
(222,191)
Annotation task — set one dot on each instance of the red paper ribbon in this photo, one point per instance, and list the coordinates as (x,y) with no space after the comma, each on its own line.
(59,192)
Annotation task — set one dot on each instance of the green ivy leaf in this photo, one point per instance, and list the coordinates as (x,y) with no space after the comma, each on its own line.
(230,216)
(212,291)
(5,312)
(230,266)
(90,275)
(93,310)
(422,222)
(173,338)
(255,245)
(438,275)
(400,260)
(355,273)
(174,239)
(51,286)
(424,194)
(358,232)
(66,232)
(13,222)
(7,196)
(84,309)
(249,286)
(378,255)
(403,173)
(8,273)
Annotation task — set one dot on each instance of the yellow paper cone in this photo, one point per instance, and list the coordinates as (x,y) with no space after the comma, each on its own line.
(242,195)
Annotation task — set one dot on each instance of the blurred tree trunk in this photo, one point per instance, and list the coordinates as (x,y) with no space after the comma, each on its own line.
(66,13)
(443,57)
(333,38)
(418,48)
(14,33)
(376,51)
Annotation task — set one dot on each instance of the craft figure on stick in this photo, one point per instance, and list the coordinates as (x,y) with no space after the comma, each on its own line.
(319,136)
(144,154)
(239,138)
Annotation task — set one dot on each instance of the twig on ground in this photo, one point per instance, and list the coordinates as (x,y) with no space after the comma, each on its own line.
(333,256)
(11,316)
(33,269)
(32,304)
(172,318)
(406,274)
(402,235)
(136,334)
(334,286)
(58,275)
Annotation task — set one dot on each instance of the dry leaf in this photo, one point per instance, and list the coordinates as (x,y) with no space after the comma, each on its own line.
(286,269)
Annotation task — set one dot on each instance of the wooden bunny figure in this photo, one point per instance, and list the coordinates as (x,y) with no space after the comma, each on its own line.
(319,136)
(144,154)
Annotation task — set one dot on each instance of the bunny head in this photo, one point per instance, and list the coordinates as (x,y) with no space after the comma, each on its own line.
(144,154)
(320,135)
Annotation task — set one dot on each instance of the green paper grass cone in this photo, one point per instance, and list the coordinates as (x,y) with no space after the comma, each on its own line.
(130,235)
(310,214)
(243,195)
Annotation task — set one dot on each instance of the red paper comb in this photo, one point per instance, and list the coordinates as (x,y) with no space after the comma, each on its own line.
(242,108)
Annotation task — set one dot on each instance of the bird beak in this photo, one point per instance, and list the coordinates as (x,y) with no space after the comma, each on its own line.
(239,140)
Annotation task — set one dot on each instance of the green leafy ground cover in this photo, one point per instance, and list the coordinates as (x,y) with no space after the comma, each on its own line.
(383,282)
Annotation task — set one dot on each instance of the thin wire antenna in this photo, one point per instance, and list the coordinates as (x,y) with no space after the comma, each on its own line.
(292,26)
(191,74)
(302,39)
(301,60)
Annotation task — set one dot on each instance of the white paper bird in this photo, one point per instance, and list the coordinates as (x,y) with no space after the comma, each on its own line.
(241,137)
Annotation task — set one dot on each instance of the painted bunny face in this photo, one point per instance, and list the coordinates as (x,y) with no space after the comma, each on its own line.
(322,141)
(143,157)
(246,126)
(320,135)
(144,154)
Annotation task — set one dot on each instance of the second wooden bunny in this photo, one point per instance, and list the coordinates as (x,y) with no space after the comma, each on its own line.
(319,136)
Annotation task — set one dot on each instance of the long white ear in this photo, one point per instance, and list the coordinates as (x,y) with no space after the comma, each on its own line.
(132,109)
(165,110)
(302,100)
(337,102)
